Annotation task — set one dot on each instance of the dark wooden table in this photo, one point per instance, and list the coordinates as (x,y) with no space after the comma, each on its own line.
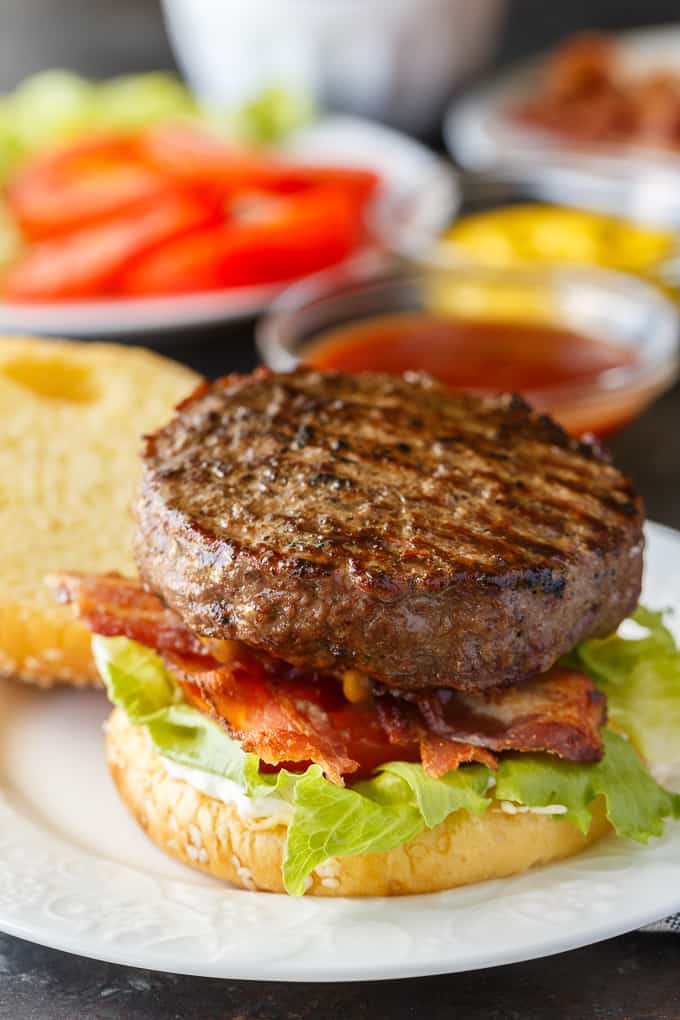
(630,978)
(635,976)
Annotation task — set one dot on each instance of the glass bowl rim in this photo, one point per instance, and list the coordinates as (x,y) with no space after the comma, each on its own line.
(653,369)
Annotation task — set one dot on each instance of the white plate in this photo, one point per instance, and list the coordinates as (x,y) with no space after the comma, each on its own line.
(419,192)
(623,179)
(77,874)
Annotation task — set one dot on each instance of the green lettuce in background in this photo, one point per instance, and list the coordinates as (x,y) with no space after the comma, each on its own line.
(57,106)
(401,799)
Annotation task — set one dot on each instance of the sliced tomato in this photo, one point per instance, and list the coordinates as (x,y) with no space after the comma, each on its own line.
(183,265)
(289,178)
(190,154)
(83,184)
(302,234)
(187,154)
(306,718)
(87,262)
(99,213)
(370,745)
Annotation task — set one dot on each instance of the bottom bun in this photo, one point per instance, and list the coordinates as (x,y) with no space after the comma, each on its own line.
(212,836)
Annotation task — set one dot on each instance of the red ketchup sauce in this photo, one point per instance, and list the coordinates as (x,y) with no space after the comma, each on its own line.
(486,356)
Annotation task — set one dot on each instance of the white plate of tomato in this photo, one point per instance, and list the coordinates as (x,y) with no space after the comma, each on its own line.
(171,226)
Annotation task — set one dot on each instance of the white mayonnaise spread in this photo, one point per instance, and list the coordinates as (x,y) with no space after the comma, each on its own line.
(267,812)
(509,808)
(271,810)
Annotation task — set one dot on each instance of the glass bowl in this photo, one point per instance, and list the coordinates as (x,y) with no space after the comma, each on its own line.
(608,306)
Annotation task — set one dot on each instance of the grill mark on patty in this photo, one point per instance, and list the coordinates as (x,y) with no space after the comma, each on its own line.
(354,455)
(480,536)
(554,511)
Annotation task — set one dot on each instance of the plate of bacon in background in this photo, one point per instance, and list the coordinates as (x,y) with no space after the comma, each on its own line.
(596,122)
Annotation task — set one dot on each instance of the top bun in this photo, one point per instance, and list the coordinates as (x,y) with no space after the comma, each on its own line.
(72,419)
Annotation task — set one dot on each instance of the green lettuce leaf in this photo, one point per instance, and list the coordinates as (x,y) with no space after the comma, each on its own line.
(138,682)
(635,803)
(436,799)
(641,678)
(135,101)
(135,677)
(376,815)
(186,736)
(271,115)
(56,106)
(50,107)
(330,821)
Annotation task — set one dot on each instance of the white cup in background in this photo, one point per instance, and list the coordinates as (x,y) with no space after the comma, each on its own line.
(393,60)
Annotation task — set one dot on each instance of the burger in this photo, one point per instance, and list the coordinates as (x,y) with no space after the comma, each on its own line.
(374,642)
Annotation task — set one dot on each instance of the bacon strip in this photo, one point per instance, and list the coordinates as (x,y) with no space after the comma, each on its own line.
(440,756)
(110,604)
(403,723)
(286,715)
(560,711)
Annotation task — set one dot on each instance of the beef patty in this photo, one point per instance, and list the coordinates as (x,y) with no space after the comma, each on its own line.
(386,524)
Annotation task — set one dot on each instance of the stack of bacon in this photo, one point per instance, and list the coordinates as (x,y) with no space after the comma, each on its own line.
(291,717)
(586,94)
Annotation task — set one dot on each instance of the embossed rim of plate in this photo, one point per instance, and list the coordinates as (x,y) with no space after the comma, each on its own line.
(59,895)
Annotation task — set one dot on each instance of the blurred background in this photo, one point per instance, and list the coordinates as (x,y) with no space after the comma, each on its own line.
(99,38)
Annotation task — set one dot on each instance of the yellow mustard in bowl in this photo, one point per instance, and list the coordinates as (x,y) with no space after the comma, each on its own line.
(547,234)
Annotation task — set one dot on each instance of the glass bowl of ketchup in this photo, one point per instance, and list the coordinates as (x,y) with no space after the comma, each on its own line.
(591,347)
